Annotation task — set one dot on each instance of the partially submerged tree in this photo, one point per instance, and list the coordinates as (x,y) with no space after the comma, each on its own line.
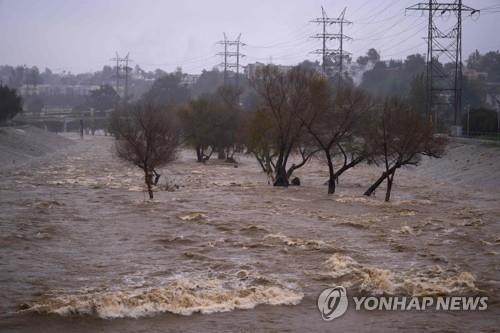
(228,122)
(401,135)
(284,95)
(212,123)
(259,140)
(197,125)
(147,137)
(333,122)
(10,103)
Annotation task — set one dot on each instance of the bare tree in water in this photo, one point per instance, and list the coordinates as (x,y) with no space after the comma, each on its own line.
(283,95)
(401,136)
(333,123)
(147,137)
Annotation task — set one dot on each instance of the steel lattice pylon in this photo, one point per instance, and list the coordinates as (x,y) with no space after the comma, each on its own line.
(325,36)
(226,54)
(444,44)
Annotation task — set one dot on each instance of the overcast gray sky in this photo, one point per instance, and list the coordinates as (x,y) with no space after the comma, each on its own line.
(83,35)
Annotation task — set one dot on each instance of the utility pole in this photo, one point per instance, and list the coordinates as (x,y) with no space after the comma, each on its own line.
(325,36)
(447,43)
(230,45)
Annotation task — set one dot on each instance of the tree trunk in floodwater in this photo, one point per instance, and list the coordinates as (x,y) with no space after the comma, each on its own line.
(221,154)
(374,186)
(331,186)
(261,163)
(199,154)
(281,177)
(389,186)
(379,181)
(331,180)
(348,166)
(148,179)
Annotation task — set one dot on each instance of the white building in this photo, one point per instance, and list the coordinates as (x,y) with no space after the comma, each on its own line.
(188,80)
(49,89)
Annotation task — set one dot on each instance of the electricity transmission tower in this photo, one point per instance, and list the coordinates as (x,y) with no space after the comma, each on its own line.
(122,64)
(444,42)
(126,60)
(118,65)
(325,36)
(231,50)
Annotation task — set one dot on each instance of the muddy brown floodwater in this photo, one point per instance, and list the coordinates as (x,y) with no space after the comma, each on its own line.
(81,250)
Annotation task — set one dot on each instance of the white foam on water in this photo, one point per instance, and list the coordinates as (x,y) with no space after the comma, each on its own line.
(182,296)
(372,279)
(195,216)
(297,242)
(405,230)
(426,282)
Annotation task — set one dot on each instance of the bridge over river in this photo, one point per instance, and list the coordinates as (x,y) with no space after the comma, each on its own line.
(64,120)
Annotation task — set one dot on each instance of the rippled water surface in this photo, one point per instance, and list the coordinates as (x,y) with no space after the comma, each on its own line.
(82,250)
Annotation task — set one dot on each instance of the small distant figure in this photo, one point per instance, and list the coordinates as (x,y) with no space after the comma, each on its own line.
(81,129)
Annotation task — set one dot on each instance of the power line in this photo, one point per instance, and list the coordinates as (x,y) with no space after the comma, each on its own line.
(377,32)
(381,31)
(361,6)
(290,45)
(422,43)
(302,34)
(378,12)
(405,39)
(198,59)
(300,51)
(382,35)
(388,19)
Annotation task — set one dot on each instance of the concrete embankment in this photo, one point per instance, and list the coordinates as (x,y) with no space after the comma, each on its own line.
(21,143)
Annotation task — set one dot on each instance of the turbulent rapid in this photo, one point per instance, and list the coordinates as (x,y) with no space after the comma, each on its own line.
(182,296)
(429,282)
(81,246)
